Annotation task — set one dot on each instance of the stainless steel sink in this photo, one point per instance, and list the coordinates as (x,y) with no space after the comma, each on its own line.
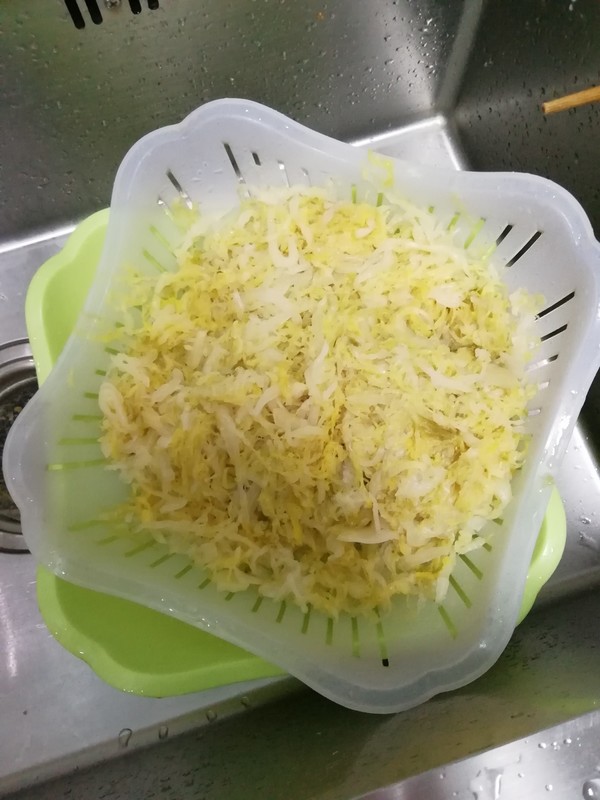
(457,84)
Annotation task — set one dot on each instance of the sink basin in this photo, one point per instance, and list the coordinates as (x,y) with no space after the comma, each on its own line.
(454,83)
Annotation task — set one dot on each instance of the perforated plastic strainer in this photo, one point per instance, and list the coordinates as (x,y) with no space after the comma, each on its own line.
(60,481)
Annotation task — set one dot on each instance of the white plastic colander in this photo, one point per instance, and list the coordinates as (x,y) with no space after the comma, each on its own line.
(59,479)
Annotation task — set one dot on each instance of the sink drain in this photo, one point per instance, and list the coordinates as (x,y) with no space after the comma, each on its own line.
(18,384)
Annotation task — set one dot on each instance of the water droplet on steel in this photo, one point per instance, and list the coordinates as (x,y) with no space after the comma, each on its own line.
(591,789)
(124,737)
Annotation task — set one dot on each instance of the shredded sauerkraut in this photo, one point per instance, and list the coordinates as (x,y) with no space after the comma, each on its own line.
(324,401)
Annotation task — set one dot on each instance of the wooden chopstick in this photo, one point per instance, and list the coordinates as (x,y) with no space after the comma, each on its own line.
(571,100)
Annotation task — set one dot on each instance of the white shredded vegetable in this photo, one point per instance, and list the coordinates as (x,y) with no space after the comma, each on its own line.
(324,401)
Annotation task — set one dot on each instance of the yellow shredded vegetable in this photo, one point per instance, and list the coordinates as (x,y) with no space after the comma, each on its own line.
(325,400)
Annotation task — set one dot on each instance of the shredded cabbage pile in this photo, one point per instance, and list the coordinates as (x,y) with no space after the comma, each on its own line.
(324,401)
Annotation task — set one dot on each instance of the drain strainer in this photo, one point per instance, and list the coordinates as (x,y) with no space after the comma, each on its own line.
(18,384)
